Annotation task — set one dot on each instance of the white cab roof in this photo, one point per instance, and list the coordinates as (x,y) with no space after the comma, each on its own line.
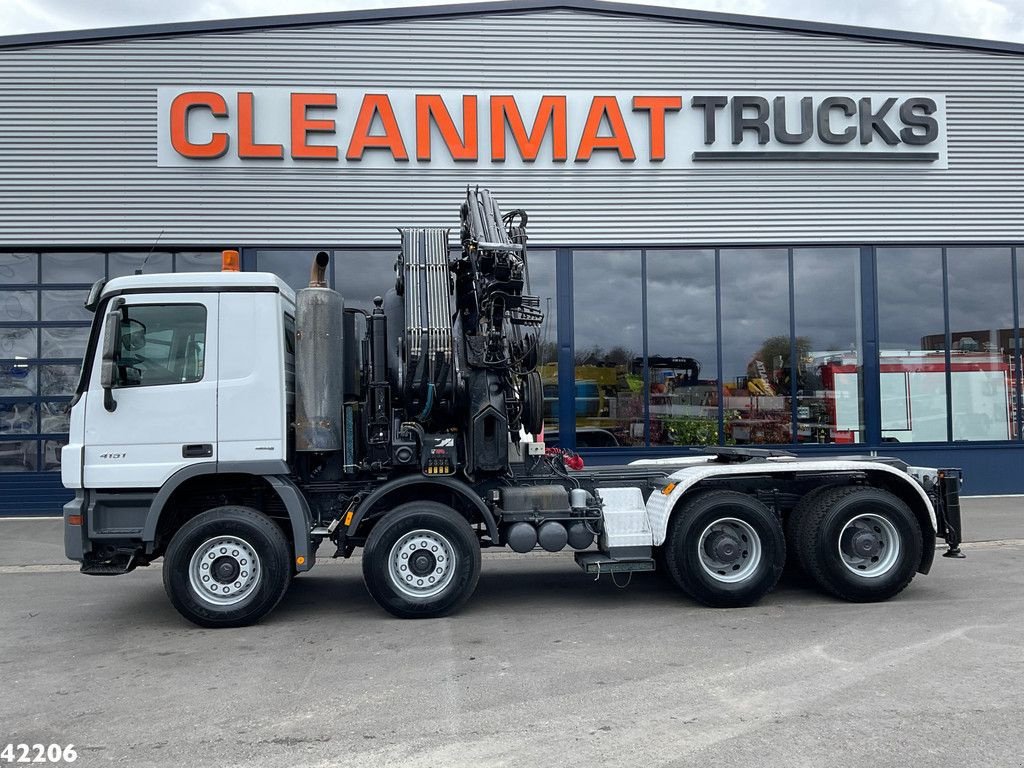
(184,280)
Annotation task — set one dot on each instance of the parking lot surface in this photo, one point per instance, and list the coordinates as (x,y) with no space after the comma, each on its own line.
(544,667)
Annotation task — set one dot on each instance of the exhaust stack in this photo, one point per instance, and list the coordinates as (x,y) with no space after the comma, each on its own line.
(319,362)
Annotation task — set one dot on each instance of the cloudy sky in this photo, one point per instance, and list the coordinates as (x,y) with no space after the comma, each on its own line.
(994,19)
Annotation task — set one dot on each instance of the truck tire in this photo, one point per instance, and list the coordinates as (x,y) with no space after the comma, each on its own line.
(860,544)
(421,561)
(725,549)
(227,567)
(794,526)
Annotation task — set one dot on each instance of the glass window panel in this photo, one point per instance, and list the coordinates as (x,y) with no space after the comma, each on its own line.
(542,285)
(293,267)
(911,342)
(161,344)
(981,327)
(17,456)
(682,347)
(53,418)
(18,306)
(58,379)
(18,342)
(121,264)
(827,309)
(358,275)
(197,261)
(609,347)
(17,379)
(17,418)
(73,267)
(755,345)
(65,306)
(64,342)
(51,453)
(18,268)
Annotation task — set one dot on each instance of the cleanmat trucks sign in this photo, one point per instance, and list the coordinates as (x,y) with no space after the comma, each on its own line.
(388,128)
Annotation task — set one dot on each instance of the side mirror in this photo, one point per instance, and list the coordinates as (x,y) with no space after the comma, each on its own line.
(108,360)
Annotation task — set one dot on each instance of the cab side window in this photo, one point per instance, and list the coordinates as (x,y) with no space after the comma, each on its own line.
(161,344)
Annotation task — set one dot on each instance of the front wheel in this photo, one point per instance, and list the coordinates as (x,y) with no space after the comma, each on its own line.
(227,567)
(725,549)
(861,544)
(421,560)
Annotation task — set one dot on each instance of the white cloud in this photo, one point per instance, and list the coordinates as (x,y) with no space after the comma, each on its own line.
(994,19)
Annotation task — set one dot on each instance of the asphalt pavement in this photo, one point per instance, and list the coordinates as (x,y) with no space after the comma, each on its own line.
(544,667)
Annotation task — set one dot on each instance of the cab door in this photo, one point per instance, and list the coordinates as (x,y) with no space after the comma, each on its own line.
(165,393)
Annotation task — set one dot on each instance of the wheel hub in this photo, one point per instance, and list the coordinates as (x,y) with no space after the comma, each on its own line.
(869,545)
(729,550)
(224,571)
(723,547)
(421,564)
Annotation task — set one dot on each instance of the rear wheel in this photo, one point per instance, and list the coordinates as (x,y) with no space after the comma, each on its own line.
(725,549)
(861,544)
(227,567)
(795,524)
(422,560)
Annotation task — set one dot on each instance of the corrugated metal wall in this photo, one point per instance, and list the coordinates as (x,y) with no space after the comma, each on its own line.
(78,137)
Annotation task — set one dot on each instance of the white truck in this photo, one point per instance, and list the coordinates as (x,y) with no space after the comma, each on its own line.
(231,425)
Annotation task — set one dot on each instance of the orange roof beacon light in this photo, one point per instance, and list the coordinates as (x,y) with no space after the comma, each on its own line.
(230,262)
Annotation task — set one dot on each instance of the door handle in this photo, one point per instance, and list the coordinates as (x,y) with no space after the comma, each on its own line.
(197,451)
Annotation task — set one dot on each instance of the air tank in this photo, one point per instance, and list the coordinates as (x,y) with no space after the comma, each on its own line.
(319,363)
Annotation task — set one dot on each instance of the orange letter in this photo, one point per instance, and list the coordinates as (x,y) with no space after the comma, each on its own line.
(551,110)
(428,107)
(247,147)
(302,126)
(376,104)
(183,104)
(600,107)
(657,106)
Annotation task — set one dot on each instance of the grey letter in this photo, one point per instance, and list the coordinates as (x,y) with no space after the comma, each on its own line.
(871,122)
(758,123)
(710,105)
(930,124)
(825,130)
(806,120)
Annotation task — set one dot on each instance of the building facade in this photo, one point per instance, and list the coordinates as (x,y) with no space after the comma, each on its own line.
(743,230)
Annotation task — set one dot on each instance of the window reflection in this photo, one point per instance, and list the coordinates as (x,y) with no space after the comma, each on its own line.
(17,306)
(542,285)
(826,309)
(197,261)
(121,264)
(291,266)
(17,379)
(359,275)
(58,379)
(608,323)
(981,328)
(755,345)
(18,268)
(64,342)
(17,342)
(17,455)
(682,347)
(53,418)
(73,267)
(911,345)
(65,306)
(17,418)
